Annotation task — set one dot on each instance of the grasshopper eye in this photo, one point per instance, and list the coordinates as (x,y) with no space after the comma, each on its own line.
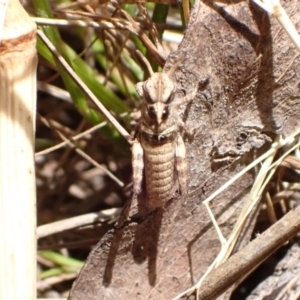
(165,113)
(151,112)
(162,138)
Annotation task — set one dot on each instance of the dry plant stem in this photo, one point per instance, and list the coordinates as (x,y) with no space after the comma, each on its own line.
(297,294)
(54,91)
(18,62)
(270,208)
(263,177)
(228,245)
(74,138)
(280,143)
(85,156)
(152,29)
(3,9)
(292,162)
(83,23)
(83,86)
(274,7)
(116,57)
(129,25)
(186,10)
(59,226)
(58,279)
(160,55)
(93,162)
(75,222)
(288,287)
(253,254)
(101,24)
(145,61)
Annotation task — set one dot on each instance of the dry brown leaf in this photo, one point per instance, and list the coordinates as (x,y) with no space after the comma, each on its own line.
(248,73)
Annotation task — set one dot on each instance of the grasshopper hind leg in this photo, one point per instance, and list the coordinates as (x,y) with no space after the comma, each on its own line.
(181,166)
(138,167)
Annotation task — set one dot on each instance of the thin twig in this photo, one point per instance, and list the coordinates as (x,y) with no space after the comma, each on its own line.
(274,7)
(252,255)
(75,222)
(83,86)
(160,57)
(129,25)
(68,142)
(262,179)
(74,138)
(84,155)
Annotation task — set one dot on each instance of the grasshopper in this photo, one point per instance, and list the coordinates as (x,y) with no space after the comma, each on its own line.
(158,150)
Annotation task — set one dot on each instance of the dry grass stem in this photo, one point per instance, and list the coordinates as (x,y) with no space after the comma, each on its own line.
(85,156)
(250,256)
(274,7)
(67,224)
(74,138)
(18,61)
(75,222)
(54,91)
(113,23)
(264,175)
(288,287)
(158,53)
(83,86)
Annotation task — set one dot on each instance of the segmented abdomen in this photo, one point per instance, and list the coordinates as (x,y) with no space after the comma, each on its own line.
(159,172)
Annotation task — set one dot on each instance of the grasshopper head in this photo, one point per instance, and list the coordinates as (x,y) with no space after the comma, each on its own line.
(157,93)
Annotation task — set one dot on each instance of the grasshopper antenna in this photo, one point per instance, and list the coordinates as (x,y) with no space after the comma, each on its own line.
(145,61)
(173,68)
